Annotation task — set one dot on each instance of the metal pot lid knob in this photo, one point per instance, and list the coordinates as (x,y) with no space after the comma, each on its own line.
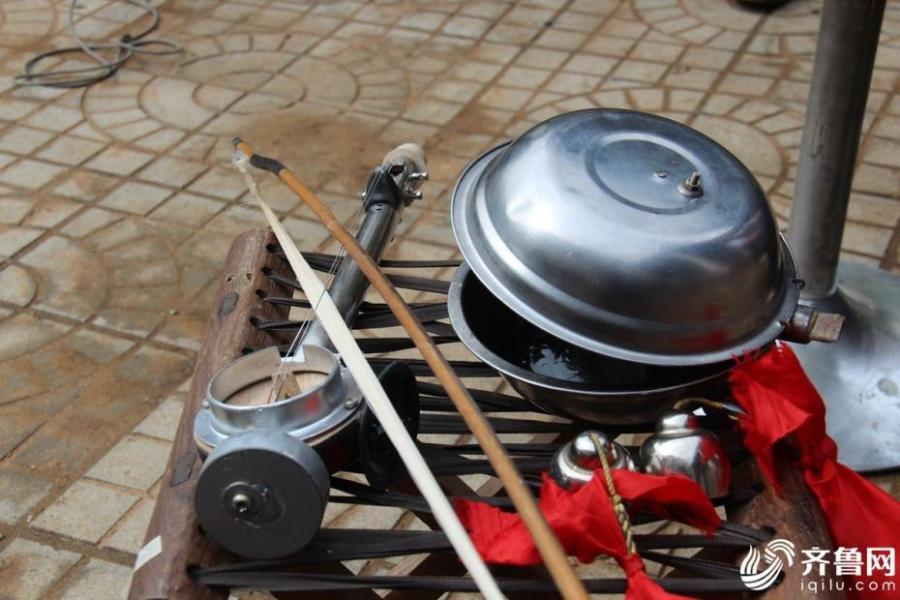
(576,460)
(680,446)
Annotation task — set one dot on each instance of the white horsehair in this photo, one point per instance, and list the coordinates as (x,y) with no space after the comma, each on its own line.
(346,345)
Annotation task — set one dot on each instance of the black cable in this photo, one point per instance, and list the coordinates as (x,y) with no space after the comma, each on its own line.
(123,49)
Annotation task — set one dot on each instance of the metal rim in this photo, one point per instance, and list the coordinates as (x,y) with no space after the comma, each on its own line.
(508,369)
(218,420)
(462,197)
(258,366)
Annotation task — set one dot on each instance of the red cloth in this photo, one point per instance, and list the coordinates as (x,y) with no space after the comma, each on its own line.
(672,497)
(780,401)
(585,523)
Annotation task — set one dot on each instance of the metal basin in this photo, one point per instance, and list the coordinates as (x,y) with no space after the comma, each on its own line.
(564,379)
(588,226)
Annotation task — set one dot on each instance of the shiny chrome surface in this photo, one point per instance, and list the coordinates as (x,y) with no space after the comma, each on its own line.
(579,226)
(681,446)
(564,379)
(859,376)
(576,460)
(311,416)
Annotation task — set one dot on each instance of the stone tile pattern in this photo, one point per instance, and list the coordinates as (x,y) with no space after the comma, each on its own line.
(117,203)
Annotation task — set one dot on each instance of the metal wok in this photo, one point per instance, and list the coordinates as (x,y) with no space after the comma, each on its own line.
(562,378)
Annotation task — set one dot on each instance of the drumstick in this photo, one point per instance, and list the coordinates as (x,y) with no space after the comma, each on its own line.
(552,553)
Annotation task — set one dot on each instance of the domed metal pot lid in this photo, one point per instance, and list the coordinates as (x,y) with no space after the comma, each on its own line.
(590,226)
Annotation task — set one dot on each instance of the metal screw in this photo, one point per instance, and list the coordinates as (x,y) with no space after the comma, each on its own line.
(351,403)
(661,174)
(241,502)
(693,182)
(690,187)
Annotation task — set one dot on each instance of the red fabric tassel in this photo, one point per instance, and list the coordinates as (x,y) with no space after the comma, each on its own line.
(780,401)
(672,497)
(585,523)
(640,585)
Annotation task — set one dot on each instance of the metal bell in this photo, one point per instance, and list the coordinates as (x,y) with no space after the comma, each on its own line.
(577,459)
(681,446)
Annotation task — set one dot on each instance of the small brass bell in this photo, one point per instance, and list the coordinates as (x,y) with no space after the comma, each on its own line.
(681,446)
(577,459)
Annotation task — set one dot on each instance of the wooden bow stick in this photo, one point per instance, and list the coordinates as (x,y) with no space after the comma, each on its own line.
(552,553)
(342,338)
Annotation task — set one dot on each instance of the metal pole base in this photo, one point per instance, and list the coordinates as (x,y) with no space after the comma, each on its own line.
(859,376)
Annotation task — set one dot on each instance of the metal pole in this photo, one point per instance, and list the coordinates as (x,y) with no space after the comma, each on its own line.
(858,376)
(350,284)
(390,189)
(842,72)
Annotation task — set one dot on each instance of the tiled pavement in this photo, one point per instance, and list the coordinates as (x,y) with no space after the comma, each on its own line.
(117,203)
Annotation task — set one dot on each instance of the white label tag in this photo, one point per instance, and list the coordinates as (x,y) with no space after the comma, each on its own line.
(149,551)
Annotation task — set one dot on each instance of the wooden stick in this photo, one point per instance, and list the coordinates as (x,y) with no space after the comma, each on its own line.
(342,338)
(552,553)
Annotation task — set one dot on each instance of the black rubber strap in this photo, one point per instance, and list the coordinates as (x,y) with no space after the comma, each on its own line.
(487,400)
(463,368)
(407,282)
(694,566)
(377,346)
(381,345)
(378,320)
(285,582)
(513,449)
(360,493)
(368,544)
(449,423)
(364,307)
(438,328)
(327,260)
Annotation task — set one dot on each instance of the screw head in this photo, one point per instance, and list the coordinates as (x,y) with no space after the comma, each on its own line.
(693,182)
(241,503)
(243,499)
(690,187)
